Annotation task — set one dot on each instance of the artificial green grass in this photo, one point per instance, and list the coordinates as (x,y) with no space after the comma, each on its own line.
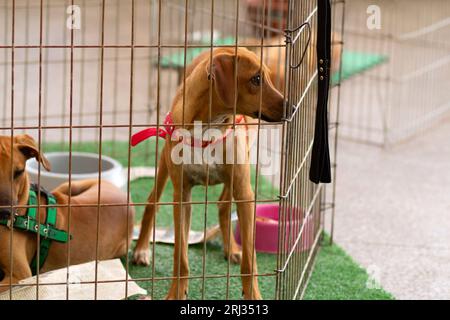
(176,60)
(335,275)
(354,63)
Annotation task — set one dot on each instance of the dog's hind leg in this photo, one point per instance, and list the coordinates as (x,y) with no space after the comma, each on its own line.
(142,251)
(230,247)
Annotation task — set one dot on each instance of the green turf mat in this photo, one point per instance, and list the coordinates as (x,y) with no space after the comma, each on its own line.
(176,60)
(354,63)
(335,275)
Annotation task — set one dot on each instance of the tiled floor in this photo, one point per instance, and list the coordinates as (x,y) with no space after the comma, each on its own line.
(393,212)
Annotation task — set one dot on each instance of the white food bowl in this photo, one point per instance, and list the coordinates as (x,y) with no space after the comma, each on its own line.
(84,166)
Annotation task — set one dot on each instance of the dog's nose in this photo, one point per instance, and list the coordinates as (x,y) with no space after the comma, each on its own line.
(5,214)
(289,108)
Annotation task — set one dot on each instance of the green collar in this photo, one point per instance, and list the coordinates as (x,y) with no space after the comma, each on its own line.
(29,223)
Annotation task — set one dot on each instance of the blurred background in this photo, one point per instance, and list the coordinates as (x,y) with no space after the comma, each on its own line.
(393,185)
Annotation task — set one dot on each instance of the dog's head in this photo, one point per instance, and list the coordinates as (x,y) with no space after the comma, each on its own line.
(254,90)
(14,154)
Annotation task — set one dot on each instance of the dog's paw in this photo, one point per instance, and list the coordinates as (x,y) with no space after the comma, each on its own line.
(178,290)
(235,257)
(172,295)
(141,257)
(256,295)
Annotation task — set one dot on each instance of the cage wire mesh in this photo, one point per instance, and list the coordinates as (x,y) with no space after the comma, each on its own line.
(406,93)
(338,39)
(90,87)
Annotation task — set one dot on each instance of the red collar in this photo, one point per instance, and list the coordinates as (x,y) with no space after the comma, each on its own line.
(168,129)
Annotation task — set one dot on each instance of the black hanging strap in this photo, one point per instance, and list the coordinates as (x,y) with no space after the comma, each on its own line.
(320,171)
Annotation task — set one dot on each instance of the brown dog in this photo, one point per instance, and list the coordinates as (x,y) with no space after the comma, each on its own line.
(254,89)
(113,233)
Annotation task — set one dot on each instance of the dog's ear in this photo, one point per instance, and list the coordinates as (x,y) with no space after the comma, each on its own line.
(223,74)
(28,147)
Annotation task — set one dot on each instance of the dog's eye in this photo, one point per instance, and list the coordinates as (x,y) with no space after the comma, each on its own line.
(18,173)
(256,80)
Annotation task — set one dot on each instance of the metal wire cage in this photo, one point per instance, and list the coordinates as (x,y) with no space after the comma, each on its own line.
(94,81)
(405,94)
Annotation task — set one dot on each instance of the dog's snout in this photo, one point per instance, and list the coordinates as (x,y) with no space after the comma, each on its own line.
(5,214)
(5,202)
(289,108)
(276,111)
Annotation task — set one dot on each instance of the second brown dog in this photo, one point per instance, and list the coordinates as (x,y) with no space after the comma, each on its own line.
(113,236)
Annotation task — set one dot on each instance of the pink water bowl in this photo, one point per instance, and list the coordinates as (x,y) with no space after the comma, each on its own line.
(267,226)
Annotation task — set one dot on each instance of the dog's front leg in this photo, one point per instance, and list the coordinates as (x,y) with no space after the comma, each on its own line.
(243,192)
(182,223)
(6,283)
(21,271)
(230,247)
(22,242)
(142,251)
